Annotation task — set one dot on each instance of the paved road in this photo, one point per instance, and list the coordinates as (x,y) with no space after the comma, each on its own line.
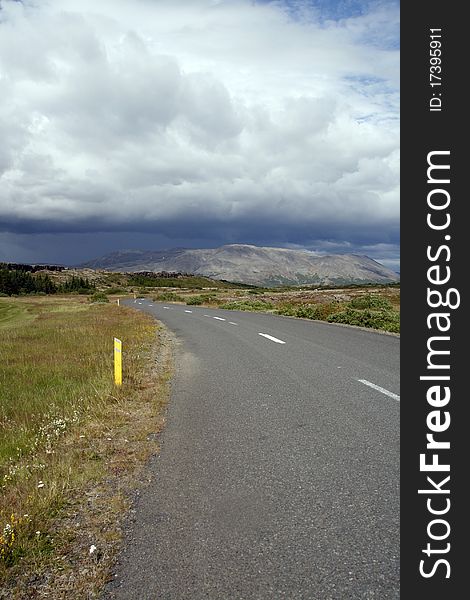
(278,475)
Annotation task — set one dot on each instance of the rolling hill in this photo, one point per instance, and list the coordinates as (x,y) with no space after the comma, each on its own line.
(252,265)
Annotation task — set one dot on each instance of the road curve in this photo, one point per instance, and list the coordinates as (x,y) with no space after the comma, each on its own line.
(278,475)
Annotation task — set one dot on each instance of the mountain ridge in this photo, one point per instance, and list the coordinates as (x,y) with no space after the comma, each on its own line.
(257,265)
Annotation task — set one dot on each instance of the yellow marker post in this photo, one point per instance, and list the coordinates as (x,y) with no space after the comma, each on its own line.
(117,361)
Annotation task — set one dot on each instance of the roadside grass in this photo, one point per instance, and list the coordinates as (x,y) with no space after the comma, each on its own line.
(71,443)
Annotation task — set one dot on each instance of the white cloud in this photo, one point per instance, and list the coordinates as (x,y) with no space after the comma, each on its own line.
(160,112)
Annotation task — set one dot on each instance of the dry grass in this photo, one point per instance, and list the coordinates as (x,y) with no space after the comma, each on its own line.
(71,444)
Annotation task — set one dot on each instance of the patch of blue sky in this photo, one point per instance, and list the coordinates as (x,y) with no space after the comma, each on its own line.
(388,120)
(330,10)
(327,10)
(381,34)
(364,80)
(368,86)
(366,118)
(382,30)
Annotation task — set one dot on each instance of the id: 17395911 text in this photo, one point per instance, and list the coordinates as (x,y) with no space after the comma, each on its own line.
(435,69)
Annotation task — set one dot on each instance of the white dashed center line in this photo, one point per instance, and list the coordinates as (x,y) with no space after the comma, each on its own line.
(232,323)
(188,311)
(218,318)
(380,389)
(273,339)
(167,307)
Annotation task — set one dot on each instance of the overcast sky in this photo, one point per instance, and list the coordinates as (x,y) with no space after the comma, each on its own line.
(160,123)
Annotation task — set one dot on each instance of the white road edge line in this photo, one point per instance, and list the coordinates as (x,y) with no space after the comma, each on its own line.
(273,339)
(188,311)
(380,389)
(218,318)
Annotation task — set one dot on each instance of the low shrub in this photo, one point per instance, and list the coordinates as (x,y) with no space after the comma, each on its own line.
(387,320)
(371,301)
(202,299)
(168,297)
(250,305)
(194,301)
(308,311)
(99,297)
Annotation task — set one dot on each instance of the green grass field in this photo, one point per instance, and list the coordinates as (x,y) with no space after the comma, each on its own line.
(12,313)
(62,420)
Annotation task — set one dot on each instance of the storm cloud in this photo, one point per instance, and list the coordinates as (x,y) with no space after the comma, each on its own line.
(194,122)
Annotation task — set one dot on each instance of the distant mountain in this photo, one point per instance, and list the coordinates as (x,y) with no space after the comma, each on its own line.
(251,264)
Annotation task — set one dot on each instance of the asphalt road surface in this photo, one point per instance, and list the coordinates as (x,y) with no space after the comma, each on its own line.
(278,475)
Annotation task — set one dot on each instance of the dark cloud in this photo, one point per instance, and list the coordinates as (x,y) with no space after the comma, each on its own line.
(196,123)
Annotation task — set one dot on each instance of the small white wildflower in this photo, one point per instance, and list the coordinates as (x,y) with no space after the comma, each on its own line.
(82,436)
(93,548)
(38,533)
(40,484)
